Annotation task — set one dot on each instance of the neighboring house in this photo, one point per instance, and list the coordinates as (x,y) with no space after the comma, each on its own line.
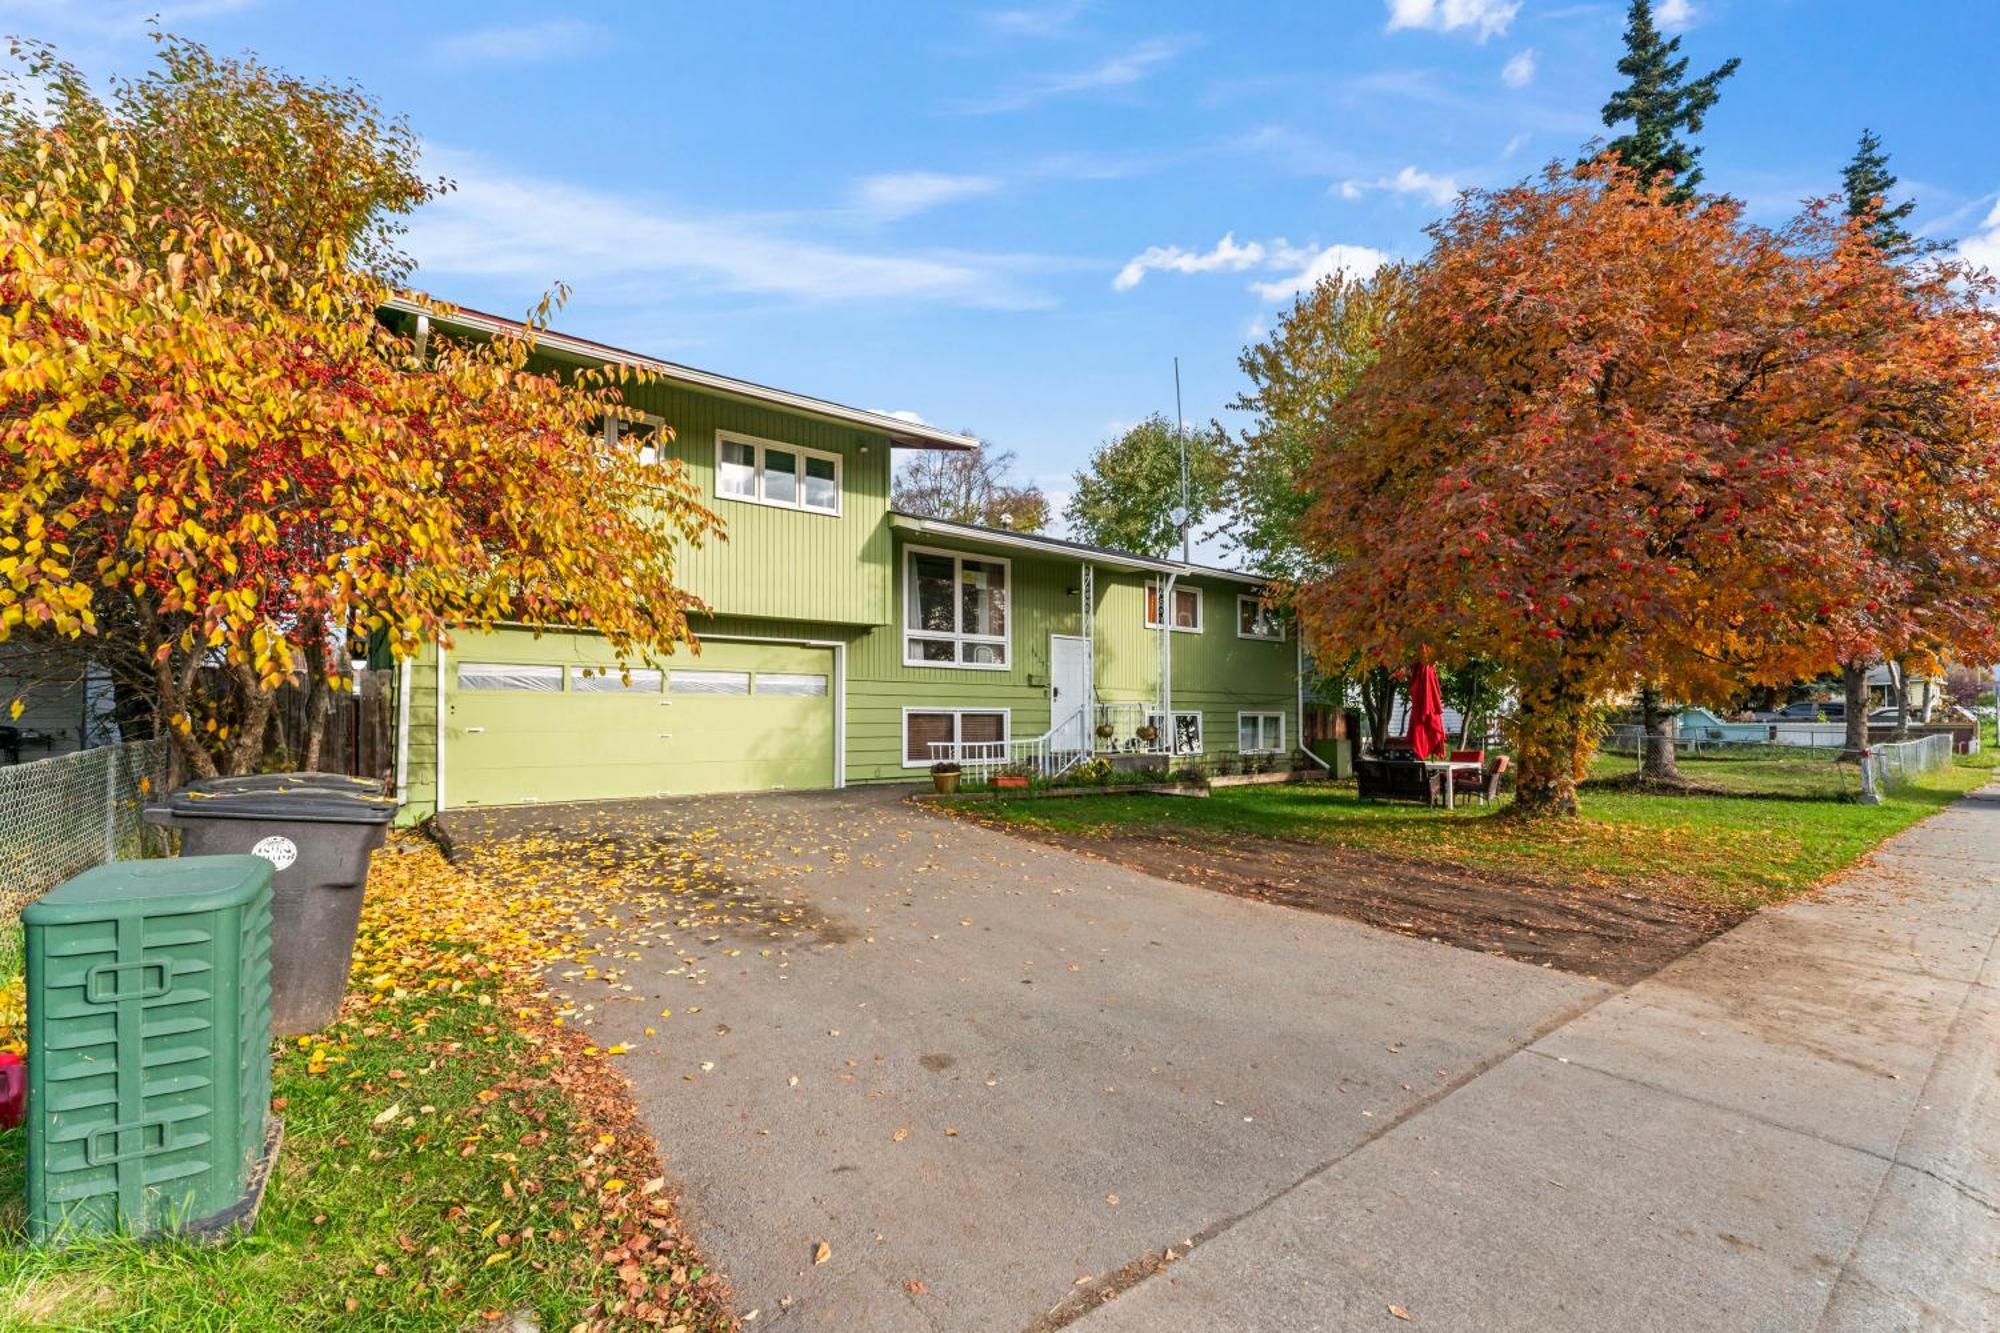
(848,643)
(1924,693)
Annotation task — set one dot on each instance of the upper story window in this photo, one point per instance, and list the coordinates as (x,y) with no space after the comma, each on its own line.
(955,609)
(766,472)
(1255,620)
(645,432)
(1187,608)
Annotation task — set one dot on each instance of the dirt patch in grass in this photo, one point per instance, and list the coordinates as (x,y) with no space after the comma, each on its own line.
(1618,936)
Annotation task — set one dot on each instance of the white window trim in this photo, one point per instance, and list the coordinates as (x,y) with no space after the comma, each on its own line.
(1261,713)
(903,730)
(1255,600)
(613,430)
(1006,641)
(1200,607)
(758,447)
(1167,734)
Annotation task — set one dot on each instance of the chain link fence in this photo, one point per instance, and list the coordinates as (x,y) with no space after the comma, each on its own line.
(1896,763)
(61,816)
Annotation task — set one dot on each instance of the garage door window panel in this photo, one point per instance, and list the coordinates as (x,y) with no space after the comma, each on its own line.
(510,676)
(791,684)
(709,682)
(610,680)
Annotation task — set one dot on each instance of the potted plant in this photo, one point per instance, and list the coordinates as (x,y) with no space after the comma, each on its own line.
(944,776)
(1105,731)
(1148,733)
(1014,777)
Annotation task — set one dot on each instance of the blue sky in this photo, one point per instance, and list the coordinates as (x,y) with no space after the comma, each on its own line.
(1011,218)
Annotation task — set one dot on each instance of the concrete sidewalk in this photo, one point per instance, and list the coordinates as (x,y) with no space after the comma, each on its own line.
(1795,1127)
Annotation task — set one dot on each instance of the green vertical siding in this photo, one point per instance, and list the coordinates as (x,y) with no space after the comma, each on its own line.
(757,570)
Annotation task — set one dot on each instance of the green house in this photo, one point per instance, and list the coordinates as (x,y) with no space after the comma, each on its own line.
(849,643)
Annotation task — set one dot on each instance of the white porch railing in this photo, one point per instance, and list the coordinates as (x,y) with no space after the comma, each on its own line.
(1048,755)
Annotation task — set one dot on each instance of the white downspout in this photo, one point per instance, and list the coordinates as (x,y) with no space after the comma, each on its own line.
(1300,673)
(1167,659)
(438,766)
(403,733)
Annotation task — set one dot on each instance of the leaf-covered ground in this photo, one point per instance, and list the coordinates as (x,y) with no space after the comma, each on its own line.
(455,1155)
(1734,852)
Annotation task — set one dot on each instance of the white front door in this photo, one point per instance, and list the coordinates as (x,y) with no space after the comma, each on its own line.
(1069,692)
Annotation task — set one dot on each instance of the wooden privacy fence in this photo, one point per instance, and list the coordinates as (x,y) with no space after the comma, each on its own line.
(360,738)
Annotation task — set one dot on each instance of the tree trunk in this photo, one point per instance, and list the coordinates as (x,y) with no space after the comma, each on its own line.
(1554,736)
(318,696)
(246,749)
(1658,722)
(1899,680)
(1378,703)
(1854,688)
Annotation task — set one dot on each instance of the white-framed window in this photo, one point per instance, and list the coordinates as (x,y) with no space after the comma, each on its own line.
(785,475)
(1255,620)
(979,728)
(955,609)
(1184,737)
(797,685)
(1187,608)
(610,680)
(1260,733)
(708,682)
(646,431)
(510,676)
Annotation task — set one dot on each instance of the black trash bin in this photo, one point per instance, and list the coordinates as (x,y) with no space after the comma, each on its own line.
(285,781)
(318,842)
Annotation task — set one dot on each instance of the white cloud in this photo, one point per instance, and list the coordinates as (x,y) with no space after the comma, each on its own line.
(498,224)
(899,194)
(1438,189)
(1227,256)
(1120,71)
(519,43)
(1520,71)
(1674,15)
(1297,267)
(1488,18)
(1032,21)
(1982,249)
(1354,261)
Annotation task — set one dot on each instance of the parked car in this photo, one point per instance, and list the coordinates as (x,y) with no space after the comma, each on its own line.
(1812,710)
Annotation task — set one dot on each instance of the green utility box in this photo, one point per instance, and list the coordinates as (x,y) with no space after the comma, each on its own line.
(149,1048)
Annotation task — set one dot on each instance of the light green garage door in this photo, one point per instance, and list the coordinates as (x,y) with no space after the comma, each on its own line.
(549,719)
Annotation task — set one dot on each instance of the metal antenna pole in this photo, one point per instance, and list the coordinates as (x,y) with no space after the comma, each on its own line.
(1187,512)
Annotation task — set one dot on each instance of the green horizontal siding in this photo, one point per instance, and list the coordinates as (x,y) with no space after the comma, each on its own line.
(1215,671)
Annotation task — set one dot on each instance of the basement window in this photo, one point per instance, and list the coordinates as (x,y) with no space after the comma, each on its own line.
(976,734)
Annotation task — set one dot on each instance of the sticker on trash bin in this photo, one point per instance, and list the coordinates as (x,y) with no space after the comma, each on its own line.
(279,850)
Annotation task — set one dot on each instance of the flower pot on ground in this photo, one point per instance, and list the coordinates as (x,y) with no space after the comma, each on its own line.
(1013,778)
(944,777)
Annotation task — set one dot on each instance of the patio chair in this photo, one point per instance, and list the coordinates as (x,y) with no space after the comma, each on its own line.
(1488,786)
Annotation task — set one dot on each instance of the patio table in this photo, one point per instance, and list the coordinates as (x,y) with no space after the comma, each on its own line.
(1450,767)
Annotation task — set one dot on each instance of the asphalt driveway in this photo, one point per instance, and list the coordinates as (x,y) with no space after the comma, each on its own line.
(995,1080)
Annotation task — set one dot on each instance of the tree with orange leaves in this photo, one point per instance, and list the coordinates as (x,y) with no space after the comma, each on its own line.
(1611,440)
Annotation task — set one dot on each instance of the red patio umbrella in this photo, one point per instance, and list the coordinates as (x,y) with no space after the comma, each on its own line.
(1427,736)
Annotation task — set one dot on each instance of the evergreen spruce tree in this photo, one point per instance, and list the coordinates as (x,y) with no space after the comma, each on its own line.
(1866,181)
(1661,104)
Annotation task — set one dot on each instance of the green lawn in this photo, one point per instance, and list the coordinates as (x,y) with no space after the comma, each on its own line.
(452,1156)
(1735,851)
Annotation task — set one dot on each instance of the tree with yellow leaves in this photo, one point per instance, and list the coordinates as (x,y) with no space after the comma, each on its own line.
(229,455)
